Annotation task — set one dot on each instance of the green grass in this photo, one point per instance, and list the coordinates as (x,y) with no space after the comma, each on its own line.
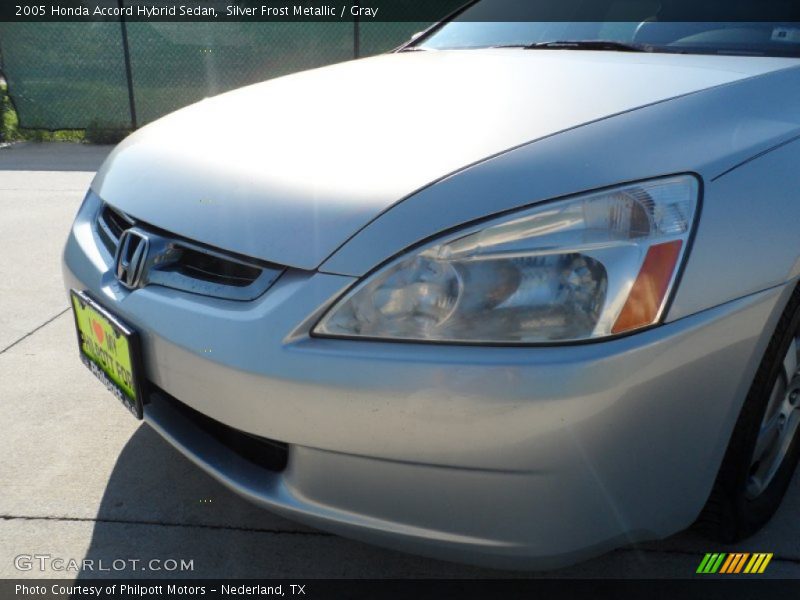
(10,130)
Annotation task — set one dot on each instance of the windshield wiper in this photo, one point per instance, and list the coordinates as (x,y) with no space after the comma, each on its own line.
(558,45)
(589,45)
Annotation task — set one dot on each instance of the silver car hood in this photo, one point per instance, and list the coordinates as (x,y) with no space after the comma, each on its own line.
(289,169)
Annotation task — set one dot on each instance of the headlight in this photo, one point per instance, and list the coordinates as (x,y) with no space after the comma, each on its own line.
(581,268)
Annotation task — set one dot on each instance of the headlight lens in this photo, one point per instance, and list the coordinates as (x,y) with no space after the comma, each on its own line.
(586,267)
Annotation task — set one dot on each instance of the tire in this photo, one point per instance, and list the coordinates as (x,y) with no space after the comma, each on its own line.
(738,506)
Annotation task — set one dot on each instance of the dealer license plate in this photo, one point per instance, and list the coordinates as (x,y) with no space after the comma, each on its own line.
(110,349)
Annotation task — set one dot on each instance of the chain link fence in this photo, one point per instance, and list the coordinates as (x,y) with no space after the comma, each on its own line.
(118,75)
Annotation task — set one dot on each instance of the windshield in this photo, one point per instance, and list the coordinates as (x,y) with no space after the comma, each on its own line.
(684,26)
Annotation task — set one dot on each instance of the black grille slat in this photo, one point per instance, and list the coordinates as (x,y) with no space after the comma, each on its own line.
(215,269)
(110,227)
(115,221)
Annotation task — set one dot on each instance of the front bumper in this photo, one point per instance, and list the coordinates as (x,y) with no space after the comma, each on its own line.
(510,457)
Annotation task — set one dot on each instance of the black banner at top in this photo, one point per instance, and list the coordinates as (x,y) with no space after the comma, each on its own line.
(783,11)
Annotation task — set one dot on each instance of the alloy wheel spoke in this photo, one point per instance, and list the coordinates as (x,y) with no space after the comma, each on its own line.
(754,486)
(778,426)
(766,437)
(782,442)
(790,361)
(776,399)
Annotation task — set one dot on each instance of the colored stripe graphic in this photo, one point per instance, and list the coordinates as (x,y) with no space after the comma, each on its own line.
(732,558)
(741,562)
(711,563)
(729,563)
(715,567)
(765,563)
(703,563)
(734,563)
(752,564)
(758,563)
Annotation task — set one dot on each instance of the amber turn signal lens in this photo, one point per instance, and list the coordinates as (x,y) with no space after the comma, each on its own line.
(651,285)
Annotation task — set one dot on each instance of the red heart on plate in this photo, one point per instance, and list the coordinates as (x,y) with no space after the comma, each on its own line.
(98,331)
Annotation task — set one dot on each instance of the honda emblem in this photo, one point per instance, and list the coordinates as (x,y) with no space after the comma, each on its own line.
(131,257)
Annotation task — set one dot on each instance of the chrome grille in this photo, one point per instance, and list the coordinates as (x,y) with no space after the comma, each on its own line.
(177,263)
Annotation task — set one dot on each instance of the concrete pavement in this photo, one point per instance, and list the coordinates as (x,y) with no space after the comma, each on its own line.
(81,479)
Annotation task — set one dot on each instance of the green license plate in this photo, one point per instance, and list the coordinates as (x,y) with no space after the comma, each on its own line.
(110,349)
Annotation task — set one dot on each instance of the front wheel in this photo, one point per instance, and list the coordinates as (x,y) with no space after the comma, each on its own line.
(765,444)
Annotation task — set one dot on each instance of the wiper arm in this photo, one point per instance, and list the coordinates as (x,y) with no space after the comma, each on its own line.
(589,45)
(559,45)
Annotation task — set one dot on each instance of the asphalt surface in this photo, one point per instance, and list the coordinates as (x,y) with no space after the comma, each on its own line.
(80,479)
